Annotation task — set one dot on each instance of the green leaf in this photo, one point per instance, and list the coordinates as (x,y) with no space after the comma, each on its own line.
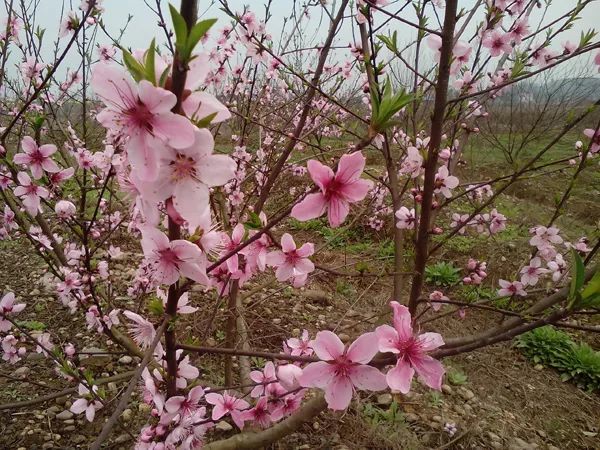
(155,306)
(577,278)
(205,121)
(150,69)
(135,68)
(254,222)
(593,286)
(33,325)
(197,33)
(180,28)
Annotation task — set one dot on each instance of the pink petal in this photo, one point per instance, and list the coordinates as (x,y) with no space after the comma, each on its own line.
(338,393)
(176,130)
(317,374)
(287,243)
(328,346)
(306,250)
(303,266)
(430,341)
(200,105)
(157,100)
(356,190)
(78,406)
(216,170)
(311,207)
(363,349)
(173,404)
(28,145)
(350,167)
(402,320)
(387,339)
(430,371)
(113,85)
(399,378)
(338,210)
(321,175)
(368,378)
(191,200)
(284,272)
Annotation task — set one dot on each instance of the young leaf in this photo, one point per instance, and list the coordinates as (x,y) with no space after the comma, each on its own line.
(197,33)
(577,278)
(135,68)
(180,28)
(150,69)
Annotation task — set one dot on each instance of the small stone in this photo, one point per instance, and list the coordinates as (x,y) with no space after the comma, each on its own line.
(467,394)
(78,438)
(542,434)
(493,436)
(447,389)
(315,296)
(316,426)
(538,367)
(223,426)
(126,415)
(56,437)
(276,321)
(411,417)
(344,337)
(125,359)
(47,446)
(61,400)
(112,386)
(64,415)
(437,418)
(21,372)
(122,438)
(70,428)
(384,399)
(496,444)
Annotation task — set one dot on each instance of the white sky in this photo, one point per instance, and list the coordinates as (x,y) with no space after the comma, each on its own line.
(143,26)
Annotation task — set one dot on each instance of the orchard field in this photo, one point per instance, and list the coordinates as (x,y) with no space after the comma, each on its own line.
(354,225)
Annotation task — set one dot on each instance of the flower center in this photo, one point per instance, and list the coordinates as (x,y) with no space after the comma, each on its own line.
(183,167)
(140,117)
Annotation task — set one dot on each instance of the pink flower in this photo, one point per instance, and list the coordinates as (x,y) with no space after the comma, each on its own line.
(227,404)
(411,350)
(83,404)
(64,209)
(341,370)
(530,274)
(544,237)
(510,289)
(172,259)
(186,174)
(37,159)
(412,163)
(497,42)
(182,303)
(264,377)
(286,406)
(142,112)
(300,346)
(237,235)
(435,298)
(30,193)
(8,308)
(594,135)
(406,218)
(558,267)
(106,52)
(259,414)
(185,406)
(444,182)
(291,262)
(143,331)
(519,30)
(337,190)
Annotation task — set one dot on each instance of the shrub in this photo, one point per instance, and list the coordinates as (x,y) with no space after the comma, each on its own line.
(553,348)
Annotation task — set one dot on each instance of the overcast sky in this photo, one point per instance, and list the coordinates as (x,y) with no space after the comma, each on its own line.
(143,26)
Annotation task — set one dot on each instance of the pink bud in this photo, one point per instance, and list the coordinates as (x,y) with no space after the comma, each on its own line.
(65,209)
